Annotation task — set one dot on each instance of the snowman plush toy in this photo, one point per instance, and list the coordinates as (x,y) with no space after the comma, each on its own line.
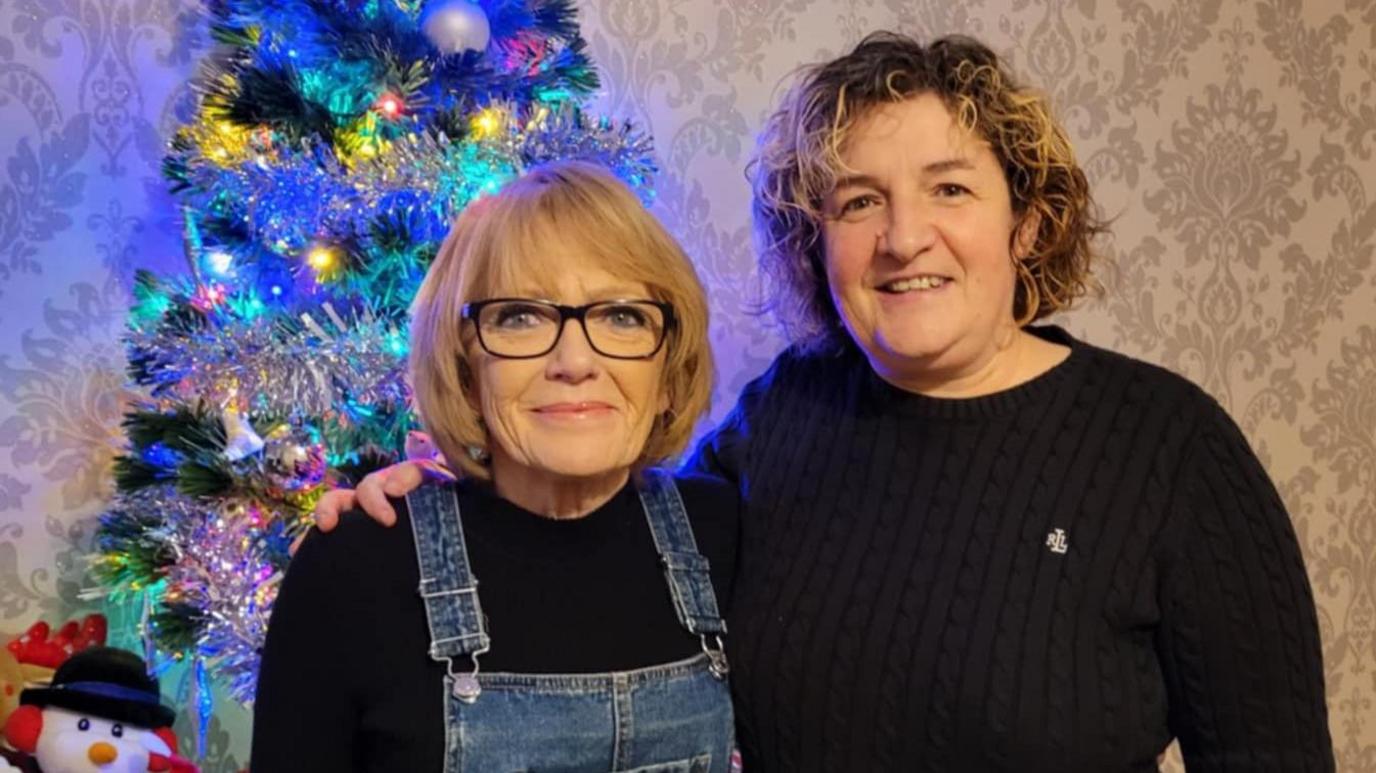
(101,714)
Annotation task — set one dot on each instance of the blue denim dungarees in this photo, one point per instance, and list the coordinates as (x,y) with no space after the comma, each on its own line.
(671,718)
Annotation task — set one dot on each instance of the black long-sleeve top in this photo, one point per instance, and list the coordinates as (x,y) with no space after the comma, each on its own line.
(347,683)
(1062,576)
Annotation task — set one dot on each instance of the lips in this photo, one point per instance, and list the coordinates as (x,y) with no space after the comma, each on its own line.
(910,284)
(581,408)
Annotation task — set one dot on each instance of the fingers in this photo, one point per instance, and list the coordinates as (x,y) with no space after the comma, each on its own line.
(373,491)
(436,469)
(404,478)
(331,505)
(296,544)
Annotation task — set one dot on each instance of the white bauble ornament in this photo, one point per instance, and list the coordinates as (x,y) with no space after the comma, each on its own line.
(240,440)
(455,26)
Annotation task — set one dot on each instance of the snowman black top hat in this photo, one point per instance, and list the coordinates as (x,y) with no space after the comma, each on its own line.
(104,682)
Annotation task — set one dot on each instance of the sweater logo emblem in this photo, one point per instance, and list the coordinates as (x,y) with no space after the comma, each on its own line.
(1057,541)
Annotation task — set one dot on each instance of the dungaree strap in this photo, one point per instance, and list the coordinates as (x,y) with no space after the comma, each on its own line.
(686,569)
(447,584)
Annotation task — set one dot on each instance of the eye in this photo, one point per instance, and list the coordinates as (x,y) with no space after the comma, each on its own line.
(951,190)
(83,724)
(117,731)
(625,317)
(518,316)
(859,203)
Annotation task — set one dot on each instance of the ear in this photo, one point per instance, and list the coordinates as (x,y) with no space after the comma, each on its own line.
(23,728)
(168,737)
(1025,234)
(468,378)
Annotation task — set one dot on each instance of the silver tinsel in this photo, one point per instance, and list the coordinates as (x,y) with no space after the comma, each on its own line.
(224,565)
(221,568)
(292,196)
(311,370)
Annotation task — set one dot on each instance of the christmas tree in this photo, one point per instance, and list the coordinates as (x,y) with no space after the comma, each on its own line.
(333,142)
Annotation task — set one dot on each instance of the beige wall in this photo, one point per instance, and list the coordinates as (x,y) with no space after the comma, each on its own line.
(1233,141)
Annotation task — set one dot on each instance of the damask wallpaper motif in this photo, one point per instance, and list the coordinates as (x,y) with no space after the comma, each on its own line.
(1233,143)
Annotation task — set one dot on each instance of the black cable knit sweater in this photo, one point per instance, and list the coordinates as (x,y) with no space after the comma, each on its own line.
(1063,576)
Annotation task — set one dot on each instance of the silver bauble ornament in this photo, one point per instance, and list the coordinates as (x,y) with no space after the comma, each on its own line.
(294,457)
(455,26)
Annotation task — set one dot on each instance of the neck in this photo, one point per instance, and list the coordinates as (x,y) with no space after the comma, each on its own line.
(554,496)
(1018,358)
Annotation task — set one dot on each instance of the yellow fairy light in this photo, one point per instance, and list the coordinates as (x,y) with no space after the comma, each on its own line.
(367,149)
(360,139)
(486,123)
(321,258)
(222,141)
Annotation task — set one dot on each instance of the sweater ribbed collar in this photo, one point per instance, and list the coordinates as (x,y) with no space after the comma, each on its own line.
(885,397)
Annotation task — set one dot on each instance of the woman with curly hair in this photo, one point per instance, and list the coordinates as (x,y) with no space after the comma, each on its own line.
(972,542)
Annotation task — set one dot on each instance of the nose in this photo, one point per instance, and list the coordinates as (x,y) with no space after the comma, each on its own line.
(101,753)
(573,359)
(909,232)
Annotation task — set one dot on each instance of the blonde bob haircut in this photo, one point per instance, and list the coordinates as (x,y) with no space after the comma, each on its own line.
(516,242)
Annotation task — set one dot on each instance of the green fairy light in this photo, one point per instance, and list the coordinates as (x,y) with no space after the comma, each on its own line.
(151,308)
(554,95)
(346,89)
(151,302)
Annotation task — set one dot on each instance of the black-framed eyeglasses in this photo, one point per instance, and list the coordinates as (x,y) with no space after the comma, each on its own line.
(522,328)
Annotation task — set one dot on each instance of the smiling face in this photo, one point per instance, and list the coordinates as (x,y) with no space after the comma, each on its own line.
(572,413)
(570,233)
(917,245)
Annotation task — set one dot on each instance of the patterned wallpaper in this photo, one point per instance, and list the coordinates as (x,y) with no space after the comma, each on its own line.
(1232,141)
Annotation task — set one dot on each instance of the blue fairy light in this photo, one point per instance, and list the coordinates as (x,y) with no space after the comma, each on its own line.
(220,262)
(159,455)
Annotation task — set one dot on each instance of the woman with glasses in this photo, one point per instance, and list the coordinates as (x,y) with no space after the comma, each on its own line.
(555,609)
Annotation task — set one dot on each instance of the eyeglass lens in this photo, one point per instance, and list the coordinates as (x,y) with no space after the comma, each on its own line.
(529,329)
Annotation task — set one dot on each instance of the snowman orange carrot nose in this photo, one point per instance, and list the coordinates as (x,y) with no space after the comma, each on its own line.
(101,753)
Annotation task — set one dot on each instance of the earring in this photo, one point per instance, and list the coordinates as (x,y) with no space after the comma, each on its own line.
(476,452)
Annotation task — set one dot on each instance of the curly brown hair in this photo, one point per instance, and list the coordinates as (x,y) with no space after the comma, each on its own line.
(798,160)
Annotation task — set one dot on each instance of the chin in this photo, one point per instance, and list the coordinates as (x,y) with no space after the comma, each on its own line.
(905,350)
(591,464)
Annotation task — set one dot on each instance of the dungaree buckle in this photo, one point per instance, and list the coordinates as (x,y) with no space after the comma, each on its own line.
(466,687)
(716,658)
